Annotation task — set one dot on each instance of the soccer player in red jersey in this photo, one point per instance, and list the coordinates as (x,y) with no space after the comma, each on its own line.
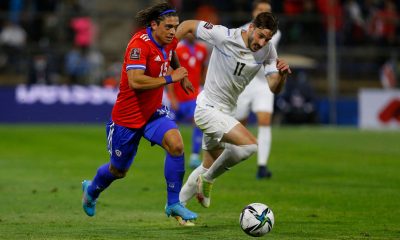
(138,111)
(193,56)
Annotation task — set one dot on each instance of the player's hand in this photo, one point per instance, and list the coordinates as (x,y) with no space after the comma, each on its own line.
(187,85)
(178,74)
(283,67)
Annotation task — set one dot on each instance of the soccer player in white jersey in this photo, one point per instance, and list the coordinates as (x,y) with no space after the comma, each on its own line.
(236,58)
(256,99)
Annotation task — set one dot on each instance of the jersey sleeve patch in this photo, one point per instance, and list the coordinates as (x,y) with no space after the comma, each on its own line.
(135,54)
(208,25)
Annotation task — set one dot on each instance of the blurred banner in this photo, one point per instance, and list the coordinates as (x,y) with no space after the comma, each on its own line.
(379,108)
(56,104)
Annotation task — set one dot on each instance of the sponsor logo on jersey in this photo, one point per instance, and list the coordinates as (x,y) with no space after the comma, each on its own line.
(135,54)
(157,59)
(208,25)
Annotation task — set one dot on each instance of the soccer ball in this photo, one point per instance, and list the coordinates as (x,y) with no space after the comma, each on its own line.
(256,219)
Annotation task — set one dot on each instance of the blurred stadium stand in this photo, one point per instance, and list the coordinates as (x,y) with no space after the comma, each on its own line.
(367,35)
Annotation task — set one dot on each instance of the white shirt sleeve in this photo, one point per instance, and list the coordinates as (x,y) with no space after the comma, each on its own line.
(270,61)
(213,34)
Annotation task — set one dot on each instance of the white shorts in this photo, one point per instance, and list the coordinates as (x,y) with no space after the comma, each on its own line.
(256,97)
(214,124)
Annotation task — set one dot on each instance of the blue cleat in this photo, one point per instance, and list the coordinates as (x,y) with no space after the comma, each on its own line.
(88,203)
(183,215)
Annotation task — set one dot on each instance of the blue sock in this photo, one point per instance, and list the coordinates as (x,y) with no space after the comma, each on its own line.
(174,170)
(197,137)
(101,181)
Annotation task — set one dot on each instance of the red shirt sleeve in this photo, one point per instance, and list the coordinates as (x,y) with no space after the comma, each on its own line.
(136,55)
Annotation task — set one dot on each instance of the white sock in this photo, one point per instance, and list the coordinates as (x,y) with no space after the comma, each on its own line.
(264,145)
(189,188)
(231,156)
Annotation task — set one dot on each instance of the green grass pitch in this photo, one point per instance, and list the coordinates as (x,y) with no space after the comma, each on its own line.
(328,183)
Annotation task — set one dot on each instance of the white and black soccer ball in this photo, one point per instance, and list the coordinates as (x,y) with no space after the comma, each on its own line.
(256,219)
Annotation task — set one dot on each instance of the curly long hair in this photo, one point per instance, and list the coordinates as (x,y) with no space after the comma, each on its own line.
(144,17)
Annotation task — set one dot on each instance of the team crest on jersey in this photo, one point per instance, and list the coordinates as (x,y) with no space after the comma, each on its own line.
(208,25)
(118,153)
(157,59)
(135,54)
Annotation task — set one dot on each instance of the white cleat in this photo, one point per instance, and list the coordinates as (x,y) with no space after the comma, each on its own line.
(204,188)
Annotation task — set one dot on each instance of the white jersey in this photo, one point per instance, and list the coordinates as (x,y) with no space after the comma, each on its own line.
(257,96)
(232,65)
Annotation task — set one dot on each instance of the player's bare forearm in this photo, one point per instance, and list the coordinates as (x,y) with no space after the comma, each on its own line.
(138,80)
(276,81)
(188,26)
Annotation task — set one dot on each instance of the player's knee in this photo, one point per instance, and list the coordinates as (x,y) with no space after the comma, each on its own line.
(117,173)
(176,150)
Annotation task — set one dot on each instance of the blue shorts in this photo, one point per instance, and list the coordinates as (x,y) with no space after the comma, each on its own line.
(185,112)
(123,142)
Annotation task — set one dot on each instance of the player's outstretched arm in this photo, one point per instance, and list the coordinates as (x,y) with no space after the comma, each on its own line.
(276,81)
(188,26)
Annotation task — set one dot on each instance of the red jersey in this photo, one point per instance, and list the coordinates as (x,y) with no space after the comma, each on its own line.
(133,107)
(192,57)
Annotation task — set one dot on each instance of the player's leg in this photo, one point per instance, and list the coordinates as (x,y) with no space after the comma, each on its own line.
(263,107)
(220,128)
(163,131)
(122,145)
(189,189)
(240,145)
(264,138)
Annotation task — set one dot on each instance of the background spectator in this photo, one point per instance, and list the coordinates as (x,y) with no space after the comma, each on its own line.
(13,42)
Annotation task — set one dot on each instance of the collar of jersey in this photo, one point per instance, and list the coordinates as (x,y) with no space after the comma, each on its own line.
(148,30)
